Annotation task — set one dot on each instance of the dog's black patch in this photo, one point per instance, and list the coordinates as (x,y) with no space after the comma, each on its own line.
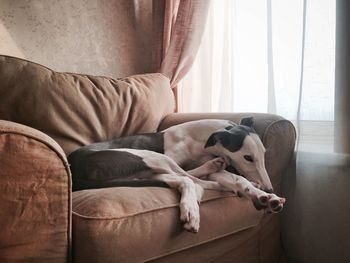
(247,121)
(232,169)
(229,127)
(108,168)
(93,166)
(111,165)
(233,136)
(231,139)
(212,140)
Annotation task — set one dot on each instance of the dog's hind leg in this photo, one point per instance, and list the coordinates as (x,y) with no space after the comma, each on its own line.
(162,164)
(166,170)
(189,208)
(242,187)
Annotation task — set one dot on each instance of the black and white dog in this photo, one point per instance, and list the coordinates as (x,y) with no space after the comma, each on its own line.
(189,157)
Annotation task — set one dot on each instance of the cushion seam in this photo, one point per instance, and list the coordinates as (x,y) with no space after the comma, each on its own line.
(144,212)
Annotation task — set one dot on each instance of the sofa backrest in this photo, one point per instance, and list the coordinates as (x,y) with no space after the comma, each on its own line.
(76,109)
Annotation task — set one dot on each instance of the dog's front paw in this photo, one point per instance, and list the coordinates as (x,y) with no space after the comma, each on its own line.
(275,203)
(216,165)
(270,202)
(190,216)
(261,201)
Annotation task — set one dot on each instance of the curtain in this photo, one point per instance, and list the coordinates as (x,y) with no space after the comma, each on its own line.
(275,56)
(292,58)
(184,23)
(265,56)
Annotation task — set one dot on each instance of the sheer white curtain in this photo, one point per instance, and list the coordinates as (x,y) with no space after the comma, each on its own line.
(275,56)
(278,56)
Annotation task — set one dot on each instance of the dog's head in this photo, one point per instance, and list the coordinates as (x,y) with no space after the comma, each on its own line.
(243,149)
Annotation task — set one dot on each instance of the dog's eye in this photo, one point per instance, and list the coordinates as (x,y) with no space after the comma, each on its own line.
(248,158)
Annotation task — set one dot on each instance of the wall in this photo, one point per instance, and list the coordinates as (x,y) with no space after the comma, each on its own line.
(100,37)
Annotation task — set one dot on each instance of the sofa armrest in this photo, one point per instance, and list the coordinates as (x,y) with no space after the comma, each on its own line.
(35,197)
(277,134)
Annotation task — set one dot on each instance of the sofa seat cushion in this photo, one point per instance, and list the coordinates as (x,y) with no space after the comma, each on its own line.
(129,224)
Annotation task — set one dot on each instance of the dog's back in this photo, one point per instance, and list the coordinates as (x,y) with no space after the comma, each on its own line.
(97,165)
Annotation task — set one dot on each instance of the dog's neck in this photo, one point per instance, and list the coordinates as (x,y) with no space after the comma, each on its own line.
(188,140)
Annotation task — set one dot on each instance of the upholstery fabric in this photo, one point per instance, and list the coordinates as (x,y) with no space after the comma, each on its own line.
(138,224)
(114,224)
(35,187)
(242,247)
(76,110)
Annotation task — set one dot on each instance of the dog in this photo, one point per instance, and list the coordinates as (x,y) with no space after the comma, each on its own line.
(190,157)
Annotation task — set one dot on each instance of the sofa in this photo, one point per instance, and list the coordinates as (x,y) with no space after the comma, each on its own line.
(45,115)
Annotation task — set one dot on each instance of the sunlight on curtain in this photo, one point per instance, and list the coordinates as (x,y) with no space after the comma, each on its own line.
(278,56)
(250,60)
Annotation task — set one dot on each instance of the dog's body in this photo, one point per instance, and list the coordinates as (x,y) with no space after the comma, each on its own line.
(203,148)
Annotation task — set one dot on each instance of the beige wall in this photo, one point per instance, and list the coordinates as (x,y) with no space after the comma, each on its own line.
(100,37)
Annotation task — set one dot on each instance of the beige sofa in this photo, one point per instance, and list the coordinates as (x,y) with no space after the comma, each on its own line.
(45,115)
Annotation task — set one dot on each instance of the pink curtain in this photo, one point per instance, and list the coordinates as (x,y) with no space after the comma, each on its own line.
(184,23)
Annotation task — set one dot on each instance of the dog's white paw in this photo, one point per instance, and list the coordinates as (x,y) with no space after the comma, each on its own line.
(216,165)
(261,201)
(275,203)
(190,216)
(256,185)
(270,202)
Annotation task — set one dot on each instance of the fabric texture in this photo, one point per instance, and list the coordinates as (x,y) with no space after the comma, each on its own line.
(35,194)
(129,224)
(75,109)
(139,224)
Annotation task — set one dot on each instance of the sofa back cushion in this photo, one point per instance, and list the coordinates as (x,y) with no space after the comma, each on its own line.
(76,109)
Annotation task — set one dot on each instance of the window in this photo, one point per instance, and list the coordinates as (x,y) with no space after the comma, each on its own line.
(253,56)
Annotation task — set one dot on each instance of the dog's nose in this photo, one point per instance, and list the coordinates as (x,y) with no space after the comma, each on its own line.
(270,191)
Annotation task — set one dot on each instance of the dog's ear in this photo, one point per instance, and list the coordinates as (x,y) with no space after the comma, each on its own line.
(247,121)
(211,141)
(221,136)
(231,140)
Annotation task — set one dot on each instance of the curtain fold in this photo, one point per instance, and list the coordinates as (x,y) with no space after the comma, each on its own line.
(342,78)
(184,23)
